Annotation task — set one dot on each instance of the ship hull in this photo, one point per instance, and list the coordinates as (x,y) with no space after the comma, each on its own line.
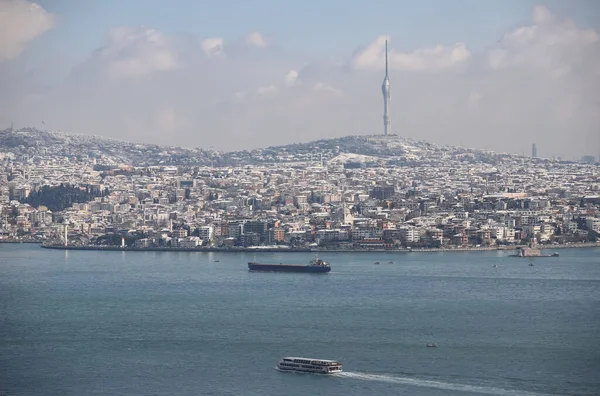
(287,268)
(294,370)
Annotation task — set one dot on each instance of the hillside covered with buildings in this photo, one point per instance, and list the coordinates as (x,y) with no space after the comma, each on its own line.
(359,192)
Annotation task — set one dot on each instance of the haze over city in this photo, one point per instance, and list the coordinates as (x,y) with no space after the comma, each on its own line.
(499,75)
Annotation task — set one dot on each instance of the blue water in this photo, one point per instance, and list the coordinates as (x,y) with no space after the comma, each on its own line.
(176,323)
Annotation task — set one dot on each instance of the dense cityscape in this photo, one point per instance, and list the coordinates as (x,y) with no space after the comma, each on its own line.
(363,193)
(394,197)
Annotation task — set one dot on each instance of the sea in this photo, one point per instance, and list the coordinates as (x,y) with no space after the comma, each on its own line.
(190,323)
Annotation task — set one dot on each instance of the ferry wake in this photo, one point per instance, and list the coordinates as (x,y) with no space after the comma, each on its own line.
(441,385)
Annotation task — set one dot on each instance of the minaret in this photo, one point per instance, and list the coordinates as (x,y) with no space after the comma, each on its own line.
(385,89)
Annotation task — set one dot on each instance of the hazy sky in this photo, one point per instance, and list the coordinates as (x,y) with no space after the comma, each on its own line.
(239,74)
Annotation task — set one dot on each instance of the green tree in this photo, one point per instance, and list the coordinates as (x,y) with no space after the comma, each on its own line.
(58,198)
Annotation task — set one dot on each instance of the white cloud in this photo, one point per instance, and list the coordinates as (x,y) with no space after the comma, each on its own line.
(256,39)
(213,46)
(270,89)
(475,100)
(291,77)
(133,52)
(541,84)
(542,15)
(20,22)
(435,58)
(322,87)
(549,45)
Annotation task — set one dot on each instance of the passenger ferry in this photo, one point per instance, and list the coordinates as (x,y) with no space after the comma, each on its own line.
(308,365)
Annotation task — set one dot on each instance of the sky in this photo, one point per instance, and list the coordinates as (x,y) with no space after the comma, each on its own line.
(241,74)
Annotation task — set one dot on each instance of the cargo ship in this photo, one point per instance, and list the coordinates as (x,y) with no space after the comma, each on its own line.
(316,265)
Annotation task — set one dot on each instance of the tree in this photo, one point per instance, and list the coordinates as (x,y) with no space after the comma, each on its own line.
(59,197)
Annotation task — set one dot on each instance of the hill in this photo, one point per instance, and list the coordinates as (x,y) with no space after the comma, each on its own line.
(33,142)
(368,150)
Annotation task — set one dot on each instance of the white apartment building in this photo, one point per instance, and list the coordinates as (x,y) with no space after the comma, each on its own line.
(189,242)
(410,234)
(593,223)
(206,233)
(366,233)
(532,230)
(180,233)
(571,226)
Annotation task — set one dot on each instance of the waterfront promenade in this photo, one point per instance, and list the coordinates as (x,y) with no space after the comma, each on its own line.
(313,250)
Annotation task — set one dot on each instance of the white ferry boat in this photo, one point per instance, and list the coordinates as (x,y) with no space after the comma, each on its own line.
(308,365)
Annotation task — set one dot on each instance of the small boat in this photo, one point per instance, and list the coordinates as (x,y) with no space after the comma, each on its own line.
(531,264)
(494,265)
(308,365)
(376,263)
(432,345)
(217,261)
(390,262)
(554,255)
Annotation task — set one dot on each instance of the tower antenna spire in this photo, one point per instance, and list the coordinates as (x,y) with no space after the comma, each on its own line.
(386,57)
(385,90)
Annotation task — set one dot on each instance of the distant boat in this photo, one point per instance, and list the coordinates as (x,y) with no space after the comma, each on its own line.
(376,263)
(217,261)
(529,252)
(390,262)
(432,345)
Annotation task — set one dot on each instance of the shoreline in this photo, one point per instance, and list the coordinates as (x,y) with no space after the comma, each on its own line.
(11,241)
(308,250)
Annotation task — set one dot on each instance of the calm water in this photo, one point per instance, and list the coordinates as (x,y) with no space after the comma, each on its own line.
(155,323)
